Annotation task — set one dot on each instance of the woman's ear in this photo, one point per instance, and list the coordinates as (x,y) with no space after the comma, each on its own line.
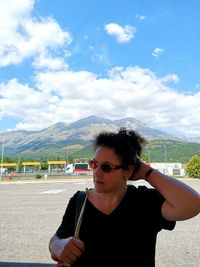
(129,171)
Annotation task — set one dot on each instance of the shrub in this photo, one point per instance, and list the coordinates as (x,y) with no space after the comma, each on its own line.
(193,167)
(38,176)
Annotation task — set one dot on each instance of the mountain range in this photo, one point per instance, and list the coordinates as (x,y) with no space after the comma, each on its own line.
(74,136)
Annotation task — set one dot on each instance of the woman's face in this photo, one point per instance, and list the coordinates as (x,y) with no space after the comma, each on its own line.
(108,181)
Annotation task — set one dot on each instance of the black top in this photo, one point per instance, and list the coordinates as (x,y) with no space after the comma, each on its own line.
(126,237)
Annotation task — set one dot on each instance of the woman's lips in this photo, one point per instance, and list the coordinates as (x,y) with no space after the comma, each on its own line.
(98,181)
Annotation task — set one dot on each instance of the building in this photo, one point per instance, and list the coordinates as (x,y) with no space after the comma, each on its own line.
(175,169)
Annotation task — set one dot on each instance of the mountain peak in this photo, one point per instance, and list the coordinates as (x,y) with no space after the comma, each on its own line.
(90,120)
(55,128)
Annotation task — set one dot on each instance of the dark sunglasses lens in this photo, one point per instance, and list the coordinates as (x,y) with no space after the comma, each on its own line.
(105,167)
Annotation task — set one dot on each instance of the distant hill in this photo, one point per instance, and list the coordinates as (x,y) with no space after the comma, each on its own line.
(74,139)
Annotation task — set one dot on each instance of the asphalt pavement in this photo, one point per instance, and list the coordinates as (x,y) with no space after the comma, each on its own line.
(31,211)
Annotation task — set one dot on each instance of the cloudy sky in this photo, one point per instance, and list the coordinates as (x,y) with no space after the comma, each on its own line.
(65,60)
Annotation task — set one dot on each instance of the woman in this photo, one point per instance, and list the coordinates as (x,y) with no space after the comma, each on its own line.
(121,221)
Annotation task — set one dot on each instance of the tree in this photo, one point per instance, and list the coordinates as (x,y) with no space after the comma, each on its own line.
(193,167)
(8,159)
(44,165)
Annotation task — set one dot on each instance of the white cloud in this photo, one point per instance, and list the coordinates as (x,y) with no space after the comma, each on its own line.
(131,92)
(23,36)
(157,52)
(46,61)
(122,34)
(140,17)
(102,56)
(197,86)
(170,78)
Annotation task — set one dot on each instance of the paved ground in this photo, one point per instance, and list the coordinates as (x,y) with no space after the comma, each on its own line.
(17,264)
(31,212)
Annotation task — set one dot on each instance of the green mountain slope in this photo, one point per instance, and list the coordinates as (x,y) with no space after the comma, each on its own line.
(158,150)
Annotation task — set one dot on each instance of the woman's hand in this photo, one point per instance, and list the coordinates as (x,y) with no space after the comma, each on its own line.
(140,174)
(66,250)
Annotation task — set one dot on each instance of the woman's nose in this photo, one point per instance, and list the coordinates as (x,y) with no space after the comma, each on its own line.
(98,170)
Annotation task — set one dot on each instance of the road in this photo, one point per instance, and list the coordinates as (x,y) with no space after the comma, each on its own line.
(30,213)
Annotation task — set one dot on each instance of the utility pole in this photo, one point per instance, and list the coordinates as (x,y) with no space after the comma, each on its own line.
(2,155)
(165,159)
(149,156)
(67,156)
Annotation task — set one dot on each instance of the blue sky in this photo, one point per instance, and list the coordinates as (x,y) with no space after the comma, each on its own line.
(66,60)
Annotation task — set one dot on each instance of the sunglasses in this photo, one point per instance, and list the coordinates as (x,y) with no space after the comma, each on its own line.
(105,167)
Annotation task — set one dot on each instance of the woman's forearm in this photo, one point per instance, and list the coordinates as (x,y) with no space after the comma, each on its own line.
(181,201)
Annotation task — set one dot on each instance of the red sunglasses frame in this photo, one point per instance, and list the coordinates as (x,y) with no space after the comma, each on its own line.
(105,166)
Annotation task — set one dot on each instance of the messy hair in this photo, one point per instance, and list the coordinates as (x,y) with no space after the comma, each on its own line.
(127,144)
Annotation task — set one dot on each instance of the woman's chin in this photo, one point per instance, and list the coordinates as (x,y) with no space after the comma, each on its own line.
(99,187)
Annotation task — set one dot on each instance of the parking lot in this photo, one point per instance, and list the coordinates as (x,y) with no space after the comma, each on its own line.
(31,211)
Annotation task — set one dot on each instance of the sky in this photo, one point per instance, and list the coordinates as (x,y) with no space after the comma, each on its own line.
(64,60)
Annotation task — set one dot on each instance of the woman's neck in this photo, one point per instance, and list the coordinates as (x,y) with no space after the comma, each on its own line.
(108,201)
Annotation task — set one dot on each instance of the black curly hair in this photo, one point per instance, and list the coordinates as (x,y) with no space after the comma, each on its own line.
(127,144)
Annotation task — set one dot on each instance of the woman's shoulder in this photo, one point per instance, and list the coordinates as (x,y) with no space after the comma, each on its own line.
(145,193)
(132,188)
(74,197)
(78,195)
(141,190)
